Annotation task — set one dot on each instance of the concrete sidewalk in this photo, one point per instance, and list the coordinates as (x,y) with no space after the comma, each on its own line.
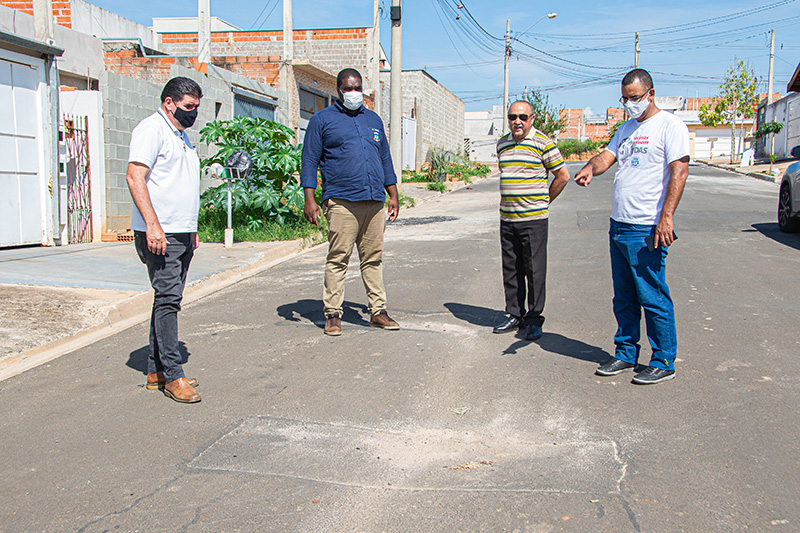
(759,171)
(58,299)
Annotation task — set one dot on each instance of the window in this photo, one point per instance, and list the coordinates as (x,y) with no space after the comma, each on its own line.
(252,108)
(311,102)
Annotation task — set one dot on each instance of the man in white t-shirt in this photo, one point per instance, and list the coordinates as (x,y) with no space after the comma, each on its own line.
(652,152)
(164,180)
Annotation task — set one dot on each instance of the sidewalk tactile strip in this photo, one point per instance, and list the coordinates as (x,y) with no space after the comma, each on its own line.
(422,460)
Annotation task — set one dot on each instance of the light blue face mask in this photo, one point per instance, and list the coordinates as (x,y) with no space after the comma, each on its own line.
(352,100)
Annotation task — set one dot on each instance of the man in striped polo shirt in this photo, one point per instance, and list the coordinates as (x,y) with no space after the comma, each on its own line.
(525,156)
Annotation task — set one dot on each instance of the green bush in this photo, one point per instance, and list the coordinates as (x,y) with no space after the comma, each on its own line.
(568,147)
(270,194)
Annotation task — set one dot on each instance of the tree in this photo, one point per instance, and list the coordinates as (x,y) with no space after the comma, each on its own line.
(739,93)
(770,128)
(712,118)
(546,118)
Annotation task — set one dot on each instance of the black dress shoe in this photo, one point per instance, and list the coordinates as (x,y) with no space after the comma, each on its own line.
(534,333)
(511,323)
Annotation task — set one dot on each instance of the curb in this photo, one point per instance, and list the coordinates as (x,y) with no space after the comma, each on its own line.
(756,175)
(136,309)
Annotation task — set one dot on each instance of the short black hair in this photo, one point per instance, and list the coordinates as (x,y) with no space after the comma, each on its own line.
(177,88)
(530,106)
(640,75)
(346,73)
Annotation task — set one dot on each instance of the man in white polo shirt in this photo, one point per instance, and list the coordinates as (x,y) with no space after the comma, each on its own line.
(652,152)
(164,180)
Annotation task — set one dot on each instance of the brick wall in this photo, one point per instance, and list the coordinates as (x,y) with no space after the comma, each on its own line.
(334,49)
(129,99)
(62,11)
(573,123)
(265,69)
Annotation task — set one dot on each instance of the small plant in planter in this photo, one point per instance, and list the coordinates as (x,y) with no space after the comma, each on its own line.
(440,163)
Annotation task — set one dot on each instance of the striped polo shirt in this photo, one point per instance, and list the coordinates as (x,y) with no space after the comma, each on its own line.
(524,194)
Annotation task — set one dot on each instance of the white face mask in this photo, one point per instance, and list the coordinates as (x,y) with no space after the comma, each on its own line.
(637,109)
(352,100)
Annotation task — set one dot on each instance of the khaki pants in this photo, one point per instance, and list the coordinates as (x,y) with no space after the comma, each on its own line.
(361,224)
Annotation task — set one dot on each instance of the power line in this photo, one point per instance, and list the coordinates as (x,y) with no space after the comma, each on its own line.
(266,4)
(689,25)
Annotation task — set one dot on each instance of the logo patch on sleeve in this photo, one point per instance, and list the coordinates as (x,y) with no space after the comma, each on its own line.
(376,135)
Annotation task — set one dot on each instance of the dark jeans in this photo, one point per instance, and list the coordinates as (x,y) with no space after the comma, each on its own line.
(168,277)
(524,251)
(640,282)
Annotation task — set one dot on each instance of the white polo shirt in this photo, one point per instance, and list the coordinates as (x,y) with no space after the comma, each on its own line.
(174,178)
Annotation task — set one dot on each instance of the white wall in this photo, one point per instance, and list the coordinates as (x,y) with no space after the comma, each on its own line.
(92,20)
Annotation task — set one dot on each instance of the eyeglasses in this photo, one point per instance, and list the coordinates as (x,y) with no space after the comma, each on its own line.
(625,99)
(512,117)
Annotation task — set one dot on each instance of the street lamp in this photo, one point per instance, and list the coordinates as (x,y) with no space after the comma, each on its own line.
(508,55)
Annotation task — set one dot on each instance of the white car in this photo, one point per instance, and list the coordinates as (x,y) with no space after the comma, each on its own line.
(789,198)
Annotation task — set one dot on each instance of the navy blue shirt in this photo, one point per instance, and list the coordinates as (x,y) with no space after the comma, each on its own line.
(351,152)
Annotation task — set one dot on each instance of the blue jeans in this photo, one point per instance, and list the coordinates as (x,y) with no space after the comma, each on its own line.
(639,277)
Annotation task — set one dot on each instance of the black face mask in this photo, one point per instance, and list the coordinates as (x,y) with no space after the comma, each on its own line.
(186,118)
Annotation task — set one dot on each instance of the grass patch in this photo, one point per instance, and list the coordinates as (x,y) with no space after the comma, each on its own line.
(211,228)
(437,186)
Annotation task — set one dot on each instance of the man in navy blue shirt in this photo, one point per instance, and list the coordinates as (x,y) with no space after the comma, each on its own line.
(347,143)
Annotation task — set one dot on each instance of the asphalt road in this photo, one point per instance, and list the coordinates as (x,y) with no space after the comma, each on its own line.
(441,426)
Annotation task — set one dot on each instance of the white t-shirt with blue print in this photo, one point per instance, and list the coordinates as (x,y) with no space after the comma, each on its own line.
(644,151)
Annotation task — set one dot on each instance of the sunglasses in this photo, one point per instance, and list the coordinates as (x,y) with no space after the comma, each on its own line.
(512,117)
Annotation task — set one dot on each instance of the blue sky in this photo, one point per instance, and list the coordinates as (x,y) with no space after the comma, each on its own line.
(577,58)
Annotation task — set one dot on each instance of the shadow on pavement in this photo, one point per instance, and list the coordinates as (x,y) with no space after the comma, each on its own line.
(137,359)
(555,343)
(771,230)
(311,310)
(478,316)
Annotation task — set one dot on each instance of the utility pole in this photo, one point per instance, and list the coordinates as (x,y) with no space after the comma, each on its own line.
(396,109)
(771,65)
(375,65)
(505,76)
(636,49)
(285,70)
(204,31)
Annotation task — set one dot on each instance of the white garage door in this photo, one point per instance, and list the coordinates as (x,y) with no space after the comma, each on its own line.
(20,135)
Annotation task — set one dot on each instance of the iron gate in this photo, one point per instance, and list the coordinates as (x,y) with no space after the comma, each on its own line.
(79,205)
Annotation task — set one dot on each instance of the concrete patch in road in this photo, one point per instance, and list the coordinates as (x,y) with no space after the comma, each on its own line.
(432,460)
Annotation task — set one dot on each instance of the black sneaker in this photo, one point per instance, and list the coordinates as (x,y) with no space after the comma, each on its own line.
(651,375)
(613,367)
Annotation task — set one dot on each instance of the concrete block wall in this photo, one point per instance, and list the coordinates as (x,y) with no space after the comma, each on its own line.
(126,101)
(439,113)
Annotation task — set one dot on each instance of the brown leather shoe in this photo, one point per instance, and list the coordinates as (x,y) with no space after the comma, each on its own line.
(382,320)
(180,391)
(156,380)
(333,326)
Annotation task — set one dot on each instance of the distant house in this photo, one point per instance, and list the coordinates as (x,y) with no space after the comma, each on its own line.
(785,110)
